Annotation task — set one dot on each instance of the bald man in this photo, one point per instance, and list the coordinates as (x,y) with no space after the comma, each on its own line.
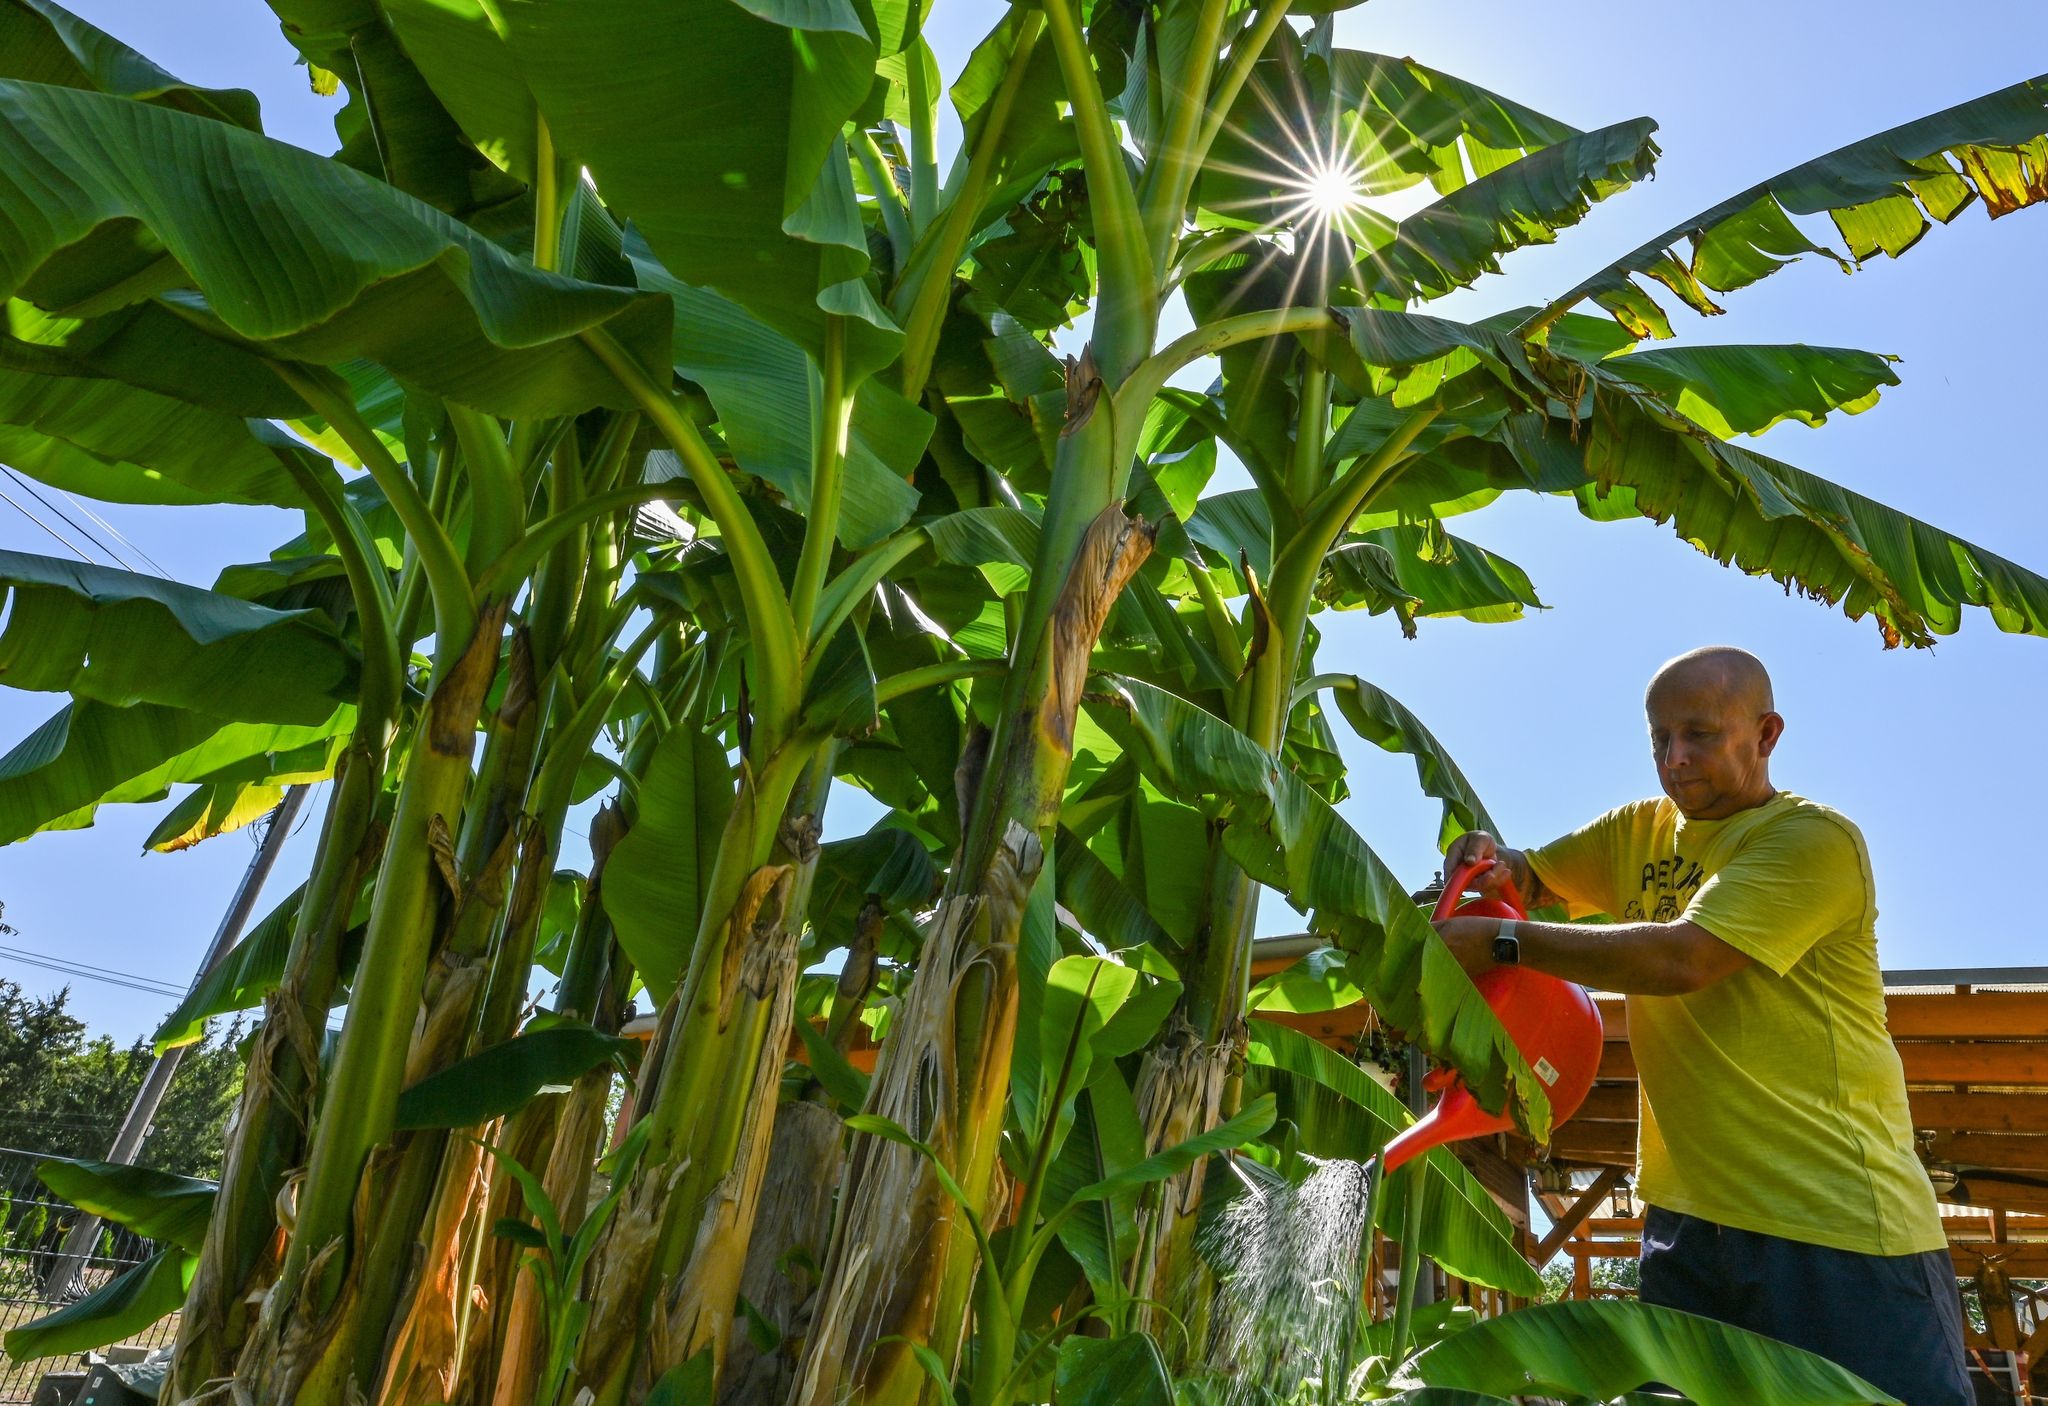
(1781,1189)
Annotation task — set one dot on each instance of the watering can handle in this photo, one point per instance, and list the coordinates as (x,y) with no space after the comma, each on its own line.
(1457,883)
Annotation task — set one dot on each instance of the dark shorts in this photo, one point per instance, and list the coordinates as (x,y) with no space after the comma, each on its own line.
(1894,1320)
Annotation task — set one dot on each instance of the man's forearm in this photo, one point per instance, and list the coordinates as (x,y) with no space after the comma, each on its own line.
(1641,959)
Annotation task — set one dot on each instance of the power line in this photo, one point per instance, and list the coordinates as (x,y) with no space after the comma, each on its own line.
(133,981)
(88,966)
(69,521)
(123,538)
(69,545)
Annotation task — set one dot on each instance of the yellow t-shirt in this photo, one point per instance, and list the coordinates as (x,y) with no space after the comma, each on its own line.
(1773,1100)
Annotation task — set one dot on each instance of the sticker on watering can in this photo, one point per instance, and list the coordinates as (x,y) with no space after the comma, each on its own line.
(1546,1071)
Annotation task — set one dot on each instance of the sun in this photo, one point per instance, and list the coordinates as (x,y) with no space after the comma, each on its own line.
(1330,190)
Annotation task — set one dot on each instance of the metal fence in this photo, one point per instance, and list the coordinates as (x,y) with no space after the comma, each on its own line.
(33,1223)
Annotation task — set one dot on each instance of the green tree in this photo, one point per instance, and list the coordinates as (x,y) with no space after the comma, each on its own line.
(64,1089)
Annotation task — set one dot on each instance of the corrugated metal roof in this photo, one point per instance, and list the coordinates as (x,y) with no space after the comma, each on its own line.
(1938,981)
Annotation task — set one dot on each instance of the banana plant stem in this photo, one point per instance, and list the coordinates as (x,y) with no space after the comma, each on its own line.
(1127,305)
(547,199)
(881,176)
(1411,1257)
(859,577)
(769,618)
(934,273)
(1244,56)
(522,556)
(1134,397)
(1171,174)
(382,682)
(1311,428)
(497,494)
(1330,511)
(831,410)
(924,121)
(454,602)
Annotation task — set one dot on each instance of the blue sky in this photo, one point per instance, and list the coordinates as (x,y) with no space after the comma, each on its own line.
(1937,754)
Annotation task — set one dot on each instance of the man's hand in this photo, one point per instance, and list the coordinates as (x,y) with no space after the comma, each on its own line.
(1470,941)
(1475,845)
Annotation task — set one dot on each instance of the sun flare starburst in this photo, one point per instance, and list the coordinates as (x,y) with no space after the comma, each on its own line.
(1329,189)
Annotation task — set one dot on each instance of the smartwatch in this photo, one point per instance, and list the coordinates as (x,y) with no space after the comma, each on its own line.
(1507,948)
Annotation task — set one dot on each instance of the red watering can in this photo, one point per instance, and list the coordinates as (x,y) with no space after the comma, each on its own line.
(1553,1022)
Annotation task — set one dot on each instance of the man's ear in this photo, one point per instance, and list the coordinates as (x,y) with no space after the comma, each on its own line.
(1770,728)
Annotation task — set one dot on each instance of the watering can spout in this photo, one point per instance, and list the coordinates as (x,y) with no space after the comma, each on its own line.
(1554,1023)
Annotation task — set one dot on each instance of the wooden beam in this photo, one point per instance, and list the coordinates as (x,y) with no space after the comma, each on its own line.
(2022,1062)
(2007,1062)
(1614,1103)
(1937,1110)
(1504,1180)
(1986,1192)
(1608,1227)
(1338,1027)
(1572,1219)
(2020,1015)
(1946,1111)
(2018,1261)
(2011,1015)
(2037,1346)
(1610,1139)
(2012,1152)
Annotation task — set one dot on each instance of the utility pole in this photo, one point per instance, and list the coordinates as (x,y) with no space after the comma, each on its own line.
(77,1248)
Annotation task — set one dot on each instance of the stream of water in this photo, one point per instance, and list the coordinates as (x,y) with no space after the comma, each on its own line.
(1289,1257)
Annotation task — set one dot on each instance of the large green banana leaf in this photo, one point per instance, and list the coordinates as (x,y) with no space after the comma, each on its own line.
(1402,122)
(122,638)
(1444,123)
(1454,240)
(1881,193)
(1384,721)
(151,347)
(1290,838)
(496,1080)
(316,261)
(654,881)
(1097,896)
(1765,516)
(90,754)
(459,52)
(1642,457)
(118,1310)
(160,1206)
(1421,571)
(123,444)
(1599,1349)
(42,43)
(251,969)
(715,127)
(394,126)
(1746,390)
